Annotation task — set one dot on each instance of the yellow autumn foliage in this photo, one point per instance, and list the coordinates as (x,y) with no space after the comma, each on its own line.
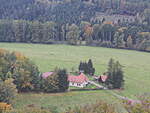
(5,107)
(144,33)
(19,55)
(88,30)
(3,51)
(109,22)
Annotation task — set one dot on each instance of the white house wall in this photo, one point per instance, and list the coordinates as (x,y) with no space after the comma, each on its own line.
(78,84)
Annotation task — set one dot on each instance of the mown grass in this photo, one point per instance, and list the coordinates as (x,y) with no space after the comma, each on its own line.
(47,57)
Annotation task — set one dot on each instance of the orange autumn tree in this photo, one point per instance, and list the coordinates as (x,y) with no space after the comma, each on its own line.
(4,107)
(129,42)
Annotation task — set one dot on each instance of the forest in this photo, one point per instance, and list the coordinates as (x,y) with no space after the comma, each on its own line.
(76,22)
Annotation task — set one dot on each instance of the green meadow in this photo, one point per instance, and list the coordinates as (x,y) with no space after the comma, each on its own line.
(136,66)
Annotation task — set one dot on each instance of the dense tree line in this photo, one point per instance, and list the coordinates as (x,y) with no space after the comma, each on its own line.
(32,10)
(66,11)
(70,21)
(130,36)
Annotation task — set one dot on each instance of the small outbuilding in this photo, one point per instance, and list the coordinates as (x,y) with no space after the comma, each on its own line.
(103,78)
(47,74)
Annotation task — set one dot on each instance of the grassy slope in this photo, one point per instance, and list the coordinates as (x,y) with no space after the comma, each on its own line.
(63,100)
(136,64)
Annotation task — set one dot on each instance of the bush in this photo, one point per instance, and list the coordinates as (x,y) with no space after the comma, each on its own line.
(100,107)
(7,91)
(141,106)
(57,82)
(51,83)
(30,110)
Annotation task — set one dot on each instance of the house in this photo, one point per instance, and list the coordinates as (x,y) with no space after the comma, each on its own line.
(103,78)
(46,74)
(114,18)
(78,81)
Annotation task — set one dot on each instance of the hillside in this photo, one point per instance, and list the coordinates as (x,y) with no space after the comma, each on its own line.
(47,57)
(70,11)
(71,55)
(114,24)
(44,10)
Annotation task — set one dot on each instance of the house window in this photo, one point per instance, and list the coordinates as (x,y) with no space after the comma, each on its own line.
(79,84)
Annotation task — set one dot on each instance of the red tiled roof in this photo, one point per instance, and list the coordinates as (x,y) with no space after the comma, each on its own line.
(103,78)
(46,74)
(78,79)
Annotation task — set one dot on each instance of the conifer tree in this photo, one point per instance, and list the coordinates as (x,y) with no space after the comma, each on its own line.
(90,64)
(91,69)
(63,80)
(115,75)
(118,76)
(81,66)
(85,67)
(110,69)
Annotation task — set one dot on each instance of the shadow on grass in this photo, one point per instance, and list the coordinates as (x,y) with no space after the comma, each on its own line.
(87,89)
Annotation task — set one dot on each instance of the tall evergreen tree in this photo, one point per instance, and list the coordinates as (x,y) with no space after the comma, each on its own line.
(63,80)
(110,69)
(81,67)
(115,75)
(118,76)
(91,69)
(87,68)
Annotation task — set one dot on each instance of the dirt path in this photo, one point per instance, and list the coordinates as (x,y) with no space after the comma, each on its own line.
(97,85)
(132,101)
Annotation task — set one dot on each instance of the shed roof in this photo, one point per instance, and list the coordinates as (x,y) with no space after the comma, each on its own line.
(46,74)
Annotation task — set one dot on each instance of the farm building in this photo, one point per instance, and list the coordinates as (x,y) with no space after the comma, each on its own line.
(78,81)
(46,74)
(115,18)
(101,78)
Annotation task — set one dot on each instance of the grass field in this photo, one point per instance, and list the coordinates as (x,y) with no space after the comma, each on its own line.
(62,101)
(47,57)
